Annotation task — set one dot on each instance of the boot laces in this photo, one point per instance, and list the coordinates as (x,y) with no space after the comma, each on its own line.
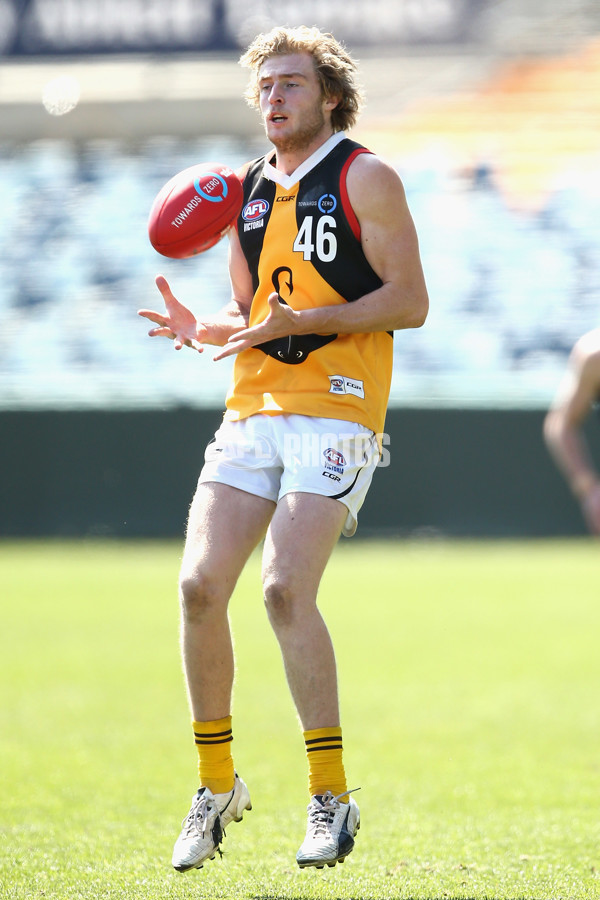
(320,818)
(197,818)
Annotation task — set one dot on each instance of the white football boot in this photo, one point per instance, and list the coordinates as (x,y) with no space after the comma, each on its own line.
(203,829)
(330,832)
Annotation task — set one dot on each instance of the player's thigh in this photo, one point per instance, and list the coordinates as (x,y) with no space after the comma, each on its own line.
(303,532)
(225,525)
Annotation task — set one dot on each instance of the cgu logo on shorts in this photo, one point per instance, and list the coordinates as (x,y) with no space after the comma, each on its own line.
(255,210)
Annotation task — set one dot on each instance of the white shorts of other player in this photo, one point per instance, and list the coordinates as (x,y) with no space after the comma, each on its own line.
(271,456)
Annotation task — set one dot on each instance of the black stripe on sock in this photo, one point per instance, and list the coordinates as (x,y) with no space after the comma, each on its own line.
(326,747)
(223,741)
(212,734)
(322,739)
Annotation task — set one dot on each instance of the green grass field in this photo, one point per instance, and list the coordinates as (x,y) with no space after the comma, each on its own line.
(470,690)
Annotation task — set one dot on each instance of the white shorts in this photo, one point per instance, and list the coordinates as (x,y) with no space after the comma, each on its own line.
(271,456)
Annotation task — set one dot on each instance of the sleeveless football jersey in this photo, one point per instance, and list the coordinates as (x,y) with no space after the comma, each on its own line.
(302,239)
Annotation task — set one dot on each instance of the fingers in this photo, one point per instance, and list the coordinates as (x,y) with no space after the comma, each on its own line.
(195,345)
(161,332)
(228,350)
(241,340)
(232,347)
(155,317)
(179,341)
(164,287)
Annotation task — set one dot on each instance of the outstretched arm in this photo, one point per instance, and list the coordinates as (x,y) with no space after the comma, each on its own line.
(563,426)
(389,241)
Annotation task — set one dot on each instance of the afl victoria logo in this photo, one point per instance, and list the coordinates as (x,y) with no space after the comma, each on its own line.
(255,210)
(334,457)
(214,187)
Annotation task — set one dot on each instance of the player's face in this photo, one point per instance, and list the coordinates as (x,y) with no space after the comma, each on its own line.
(295,113)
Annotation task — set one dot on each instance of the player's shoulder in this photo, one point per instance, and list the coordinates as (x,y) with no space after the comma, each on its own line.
(369,164)
(373,180)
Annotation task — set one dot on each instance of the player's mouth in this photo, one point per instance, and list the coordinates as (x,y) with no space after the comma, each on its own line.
(277,118)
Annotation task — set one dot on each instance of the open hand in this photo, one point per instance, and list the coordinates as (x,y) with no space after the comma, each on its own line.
(178,323)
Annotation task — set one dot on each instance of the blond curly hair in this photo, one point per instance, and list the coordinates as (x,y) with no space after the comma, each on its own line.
(335,68)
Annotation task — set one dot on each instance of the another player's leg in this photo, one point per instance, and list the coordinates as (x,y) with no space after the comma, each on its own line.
(301,537)
(224,526)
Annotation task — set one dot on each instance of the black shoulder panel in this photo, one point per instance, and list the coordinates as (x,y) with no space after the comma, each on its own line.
(259,194)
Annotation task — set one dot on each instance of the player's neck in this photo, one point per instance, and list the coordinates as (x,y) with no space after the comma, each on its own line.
(288,159)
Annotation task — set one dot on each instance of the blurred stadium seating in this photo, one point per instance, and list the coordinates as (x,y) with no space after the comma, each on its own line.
(498,146)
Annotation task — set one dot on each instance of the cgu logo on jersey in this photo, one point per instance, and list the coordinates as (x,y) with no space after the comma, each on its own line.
(255,210)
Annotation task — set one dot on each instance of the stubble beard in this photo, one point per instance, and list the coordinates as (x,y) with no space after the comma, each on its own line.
(303,137)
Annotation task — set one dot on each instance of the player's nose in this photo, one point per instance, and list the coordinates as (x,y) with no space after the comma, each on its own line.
(275,95)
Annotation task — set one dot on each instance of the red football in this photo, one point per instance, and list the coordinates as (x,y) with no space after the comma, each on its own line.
(194,210)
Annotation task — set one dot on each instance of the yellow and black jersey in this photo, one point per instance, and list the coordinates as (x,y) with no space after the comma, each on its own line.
(301,238)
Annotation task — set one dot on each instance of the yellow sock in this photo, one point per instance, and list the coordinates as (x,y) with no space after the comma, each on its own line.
(215,763)
(325,766)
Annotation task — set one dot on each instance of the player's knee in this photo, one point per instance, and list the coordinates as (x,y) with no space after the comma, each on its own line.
(199,594)
(279,601)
